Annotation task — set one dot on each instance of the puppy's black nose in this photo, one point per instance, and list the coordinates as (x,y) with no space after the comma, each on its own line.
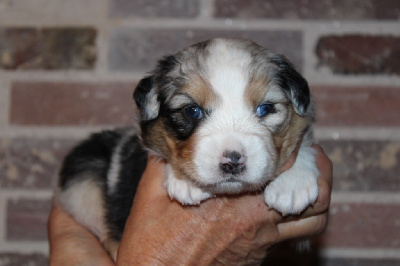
(232,162)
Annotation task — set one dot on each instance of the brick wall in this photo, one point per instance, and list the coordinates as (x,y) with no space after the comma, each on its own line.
(68,68)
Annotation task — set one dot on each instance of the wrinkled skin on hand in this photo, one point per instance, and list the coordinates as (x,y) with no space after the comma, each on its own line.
(222,230)
(72,244)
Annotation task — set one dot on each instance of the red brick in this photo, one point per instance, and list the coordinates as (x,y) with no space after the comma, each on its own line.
(139,50)
(362,225)
(59,104)
(31,163)
(360,54)
(357,106)
(12,259)
(27,219)
(154,8)
(364,165)
(308,9)
(112,104)
(48,48)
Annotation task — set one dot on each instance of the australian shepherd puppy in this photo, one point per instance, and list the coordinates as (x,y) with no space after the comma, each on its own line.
(225,114)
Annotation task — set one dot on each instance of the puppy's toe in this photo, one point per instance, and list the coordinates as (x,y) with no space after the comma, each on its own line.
(270,196)
(289,196)
(197,194)
(185,192)
(277,200)
(300,202)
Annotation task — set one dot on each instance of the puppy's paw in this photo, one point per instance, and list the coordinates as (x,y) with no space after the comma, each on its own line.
(185,191)
(295,189)
(289,196)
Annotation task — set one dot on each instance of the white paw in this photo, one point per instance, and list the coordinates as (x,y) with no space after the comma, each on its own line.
(294,190)
(185,191)
(290,197)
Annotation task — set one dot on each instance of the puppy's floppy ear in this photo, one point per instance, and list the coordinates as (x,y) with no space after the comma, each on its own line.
(146,98)
(293,84)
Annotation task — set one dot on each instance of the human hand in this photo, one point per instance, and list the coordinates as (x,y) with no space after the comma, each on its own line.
(72,244)
(223,230)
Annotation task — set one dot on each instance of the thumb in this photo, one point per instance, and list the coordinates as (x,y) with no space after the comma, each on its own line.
(151,182)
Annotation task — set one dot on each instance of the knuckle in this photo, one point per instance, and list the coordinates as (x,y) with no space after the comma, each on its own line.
(322,223)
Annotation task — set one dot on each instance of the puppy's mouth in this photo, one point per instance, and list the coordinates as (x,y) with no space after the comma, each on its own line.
(230,185)
(235,185)
(231,179)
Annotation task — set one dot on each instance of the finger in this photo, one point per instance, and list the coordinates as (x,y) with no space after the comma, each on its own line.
(303,227)
(151,193)
(61,224)
(325,168)
(324,164)
(153,176)
(72,244)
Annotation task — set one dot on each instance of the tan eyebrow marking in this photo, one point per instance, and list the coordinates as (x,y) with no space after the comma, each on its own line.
(200,91)
(256,91)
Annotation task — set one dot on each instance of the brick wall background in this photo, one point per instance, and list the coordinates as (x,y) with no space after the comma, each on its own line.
(68,68)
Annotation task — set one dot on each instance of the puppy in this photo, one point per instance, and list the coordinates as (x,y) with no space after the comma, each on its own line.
(225,114)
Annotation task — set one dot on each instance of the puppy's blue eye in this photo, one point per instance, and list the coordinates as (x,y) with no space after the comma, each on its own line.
(264,109)
(193,112)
